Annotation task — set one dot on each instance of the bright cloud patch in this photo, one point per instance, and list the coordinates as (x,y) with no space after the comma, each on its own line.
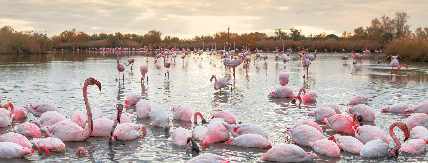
(18,25)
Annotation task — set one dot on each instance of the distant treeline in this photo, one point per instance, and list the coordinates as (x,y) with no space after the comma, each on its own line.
(381,35)
(15,42)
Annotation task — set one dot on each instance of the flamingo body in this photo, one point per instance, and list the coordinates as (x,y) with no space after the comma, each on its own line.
(332,106)
(282,92)
(397,108)
(199,132)
(66,130)
(341,123)
(375,148)
(49,118)
(27,129)
(132,99)
(143,69)
(283,78)
(414,146)
(5,118)
(368,133)
(216,132)
(128,131)
(420,108)
(102,127)
(41,107)
(419,132)
(309,123)
(326,147)
(179,136)
(78,117)
(417,119)
(159,118)
(228,116)
(348,143)
(16,138)
(208,158)
(364,110)
(288,153)
(13,150)
(310,97)
(245,128)
(323,112)
(143,108)
(53,144)
(250,140)
(358,99)
(181,113)
(303,135)
(123,118)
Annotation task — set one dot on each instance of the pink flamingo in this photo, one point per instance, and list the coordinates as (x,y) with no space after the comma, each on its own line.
(289,152)
(198,133)
(49,118)
(367,133)
(216,132)
(220,83)
(326,147)
(305,63)
(308,123)
(16,138)
(143,108)
(358,99)
(357,55)
(228,116)
(68,131)
(128,131)
(167,64)
(13,150)
(365,111)
(417,119)
(78,117)
(420,108)
(283,78)
(322,112)
(235,63)
(27,129)
(245,128)
(120,67)
(347,143)
(81,150)
(144,69)
(285,92)
(132,99)
(397,108)
(102,127)
(5,118)
(249,140)
(208,157)
(195,118)
(333,107)
(181,113)
(179,136)
(19,112)
(39,108)
(303,135)
(130,61)
(395,63)
(343,123)
(50,143)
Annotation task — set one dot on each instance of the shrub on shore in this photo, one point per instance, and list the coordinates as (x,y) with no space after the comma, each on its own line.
(410,48)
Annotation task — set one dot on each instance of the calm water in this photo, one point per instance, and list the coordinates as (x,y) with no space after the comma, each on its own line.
(58,78)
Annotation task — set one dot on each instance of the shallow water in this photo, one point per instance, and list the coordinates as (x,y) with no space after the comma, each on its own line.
(58,78)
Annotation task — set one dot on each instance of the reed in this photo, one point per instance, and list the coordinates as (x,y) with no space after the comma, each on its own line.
(409,48)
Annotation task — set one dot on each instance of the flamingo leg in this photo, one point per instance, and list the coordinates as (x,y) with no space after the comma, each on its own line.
(233,73)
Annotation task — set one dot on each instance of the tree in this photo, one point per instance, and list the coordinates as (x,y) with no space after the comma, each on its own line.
(401,29)
(295,33)
(280,34)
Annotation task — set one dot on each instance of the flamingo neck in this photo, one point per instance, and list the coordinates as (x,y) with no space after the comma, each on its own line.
(81,149)
(300,91)
(12,109)
(391,132)
(43,148)
(117,55)
(88,109)
(195,117)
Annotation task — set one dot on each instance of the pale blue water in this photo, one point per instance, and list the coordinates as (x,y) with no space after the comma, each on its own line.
(58,78)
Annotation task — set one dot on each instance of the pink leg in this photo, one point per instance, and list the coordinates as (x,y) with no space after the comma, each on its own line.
(233,73)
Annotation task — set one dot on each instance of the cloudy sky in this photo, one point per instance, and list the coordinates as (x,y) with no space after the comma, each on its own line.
(188,18)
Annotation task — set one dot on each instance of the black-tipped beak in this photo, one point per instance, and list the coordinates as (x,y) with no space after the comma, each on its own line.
(98,84)
(195,146)
(405,139)
(204,121)
(293,101)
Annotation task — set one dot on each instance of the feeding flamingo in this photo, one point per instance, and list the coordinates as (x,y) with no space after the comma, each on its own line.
(52,144)
(39,108)
(208,157)
(347,143)
(68,131)
(128,131)
(181,113)
(143,109)
(144,69)
(288,152)
(420,108)
(417,119)
(179,136)
(368,133)
(397,108)
(235,63)
(159,118)
(358,99)
(228,116)
(19,112)
(322,112)
(245,128)
(49,118)
(326,147)
(249,140)
(27,129)
(16,138)
(216,132)
(365,111)
(120,67)
(5,118)
(308,123)
(343,123)
(332,106)
(304,134)
(357,55)
(13,150)
(132,99)
(198,133)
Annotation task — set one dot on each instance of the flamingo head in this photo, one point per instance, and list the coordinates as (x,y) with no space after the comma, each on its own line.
(405,129)
(272,94)
(194,145)
(384,109)
(212,77)
(131,60)
(92,81)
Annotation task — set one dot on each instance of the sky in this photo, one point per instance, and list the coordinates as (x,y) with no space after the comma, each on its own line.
(189,18)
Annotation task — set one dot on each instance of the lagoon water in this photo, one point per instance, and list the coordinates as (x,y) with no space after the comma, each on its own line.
(58,78)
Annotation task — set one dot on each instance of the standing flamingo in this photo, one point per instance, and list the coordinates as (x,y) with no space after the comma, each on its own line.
(357,55)
(220,83)
(144,69)
(69,131)
(283,78)
(120,67)
(235,63)
(167,64)
(395,63)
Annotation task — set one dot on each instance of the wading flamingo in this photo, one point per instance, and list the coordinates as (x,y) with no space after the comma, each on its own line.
(144,69)
(220,83)
(288,152)
(13,150)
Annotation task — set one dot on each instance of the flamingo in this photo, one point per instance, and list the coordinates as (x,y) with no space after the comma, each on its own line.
(179,136)
(265,56)
(220,83)
(419,132)
(288,152)
(81,150)
(120,67)
(308,123)
(365,111)
(198,133)
(417,119)
(332,106)
(284,58)
(216,132)
(397,108)
(347,143)
(78,117)
(343,123)
(130,61)
(304,134)
(13,150)
(159,118)
(143,109)
(283,78)
(181,113)
(228,116)
(19,112)
(245,128)
(27,129)
(312,57)
(358,99)
(69,131)
(39,108)
(102,127)
(285,92)
(305,63)
(49,118)
(132,99)
(357,55)
(144,69)
(420,108)
(5,118)
(195,118)
(15,138)
(167,64)
(52,144)
(208,157)
(249,140)
(368,133)
(326,147)
(123,118)
(322,112)
(235,63)
(128,131)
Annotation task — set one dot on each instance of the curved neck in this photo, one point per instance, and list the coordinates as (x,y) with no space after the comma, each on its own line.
(300,91)
(195,117)
(117,54)
(391,132)
(88,108)
(12,109)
